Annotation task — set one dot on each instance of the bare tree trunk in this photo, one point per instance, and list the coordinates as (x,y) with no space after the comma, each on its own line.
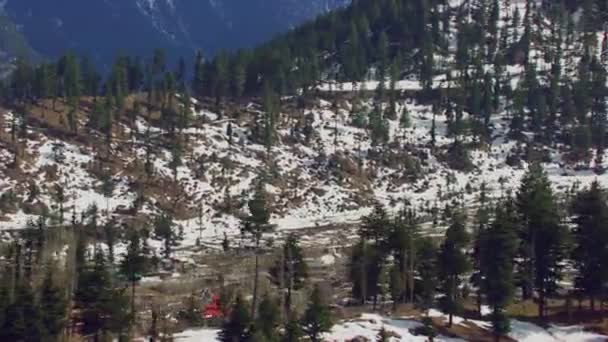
(133,300)
(541,304)
(290,279)
(411,273)
(283,303)
(254,301)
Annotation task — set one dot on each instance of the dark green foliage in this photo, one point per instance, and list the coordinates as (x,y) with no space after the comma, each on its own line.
(365,269)
(133,263)
(404,237)
(498,248)
(256,225)
(378,127)
(237,327)
(591,234)
(22,318)
(453,264)
(427,329)
(290,269)
(53,306)
(542,236)
(427,271)
(104,308)
(292,331)
(317,317)
(267,321)
(165,230)
(376,226)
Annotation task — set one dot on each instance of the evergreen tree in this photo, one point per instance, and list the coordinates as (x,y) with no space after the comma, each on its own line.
(292,331)
(256,225)
(22,320)
(404,238)
(53,307)
(133,264)
(270,117)
(91,293)
(237,327)
(453,264)
(590,254)
(164,229)
(267,321)
(290,270)
(405,121)
(542,236)
(497,254)
(376,226)
(317,318)
(427,271)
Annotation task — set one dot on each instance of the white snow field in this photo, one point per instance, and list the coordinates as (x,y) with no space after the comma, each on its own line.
(368,325)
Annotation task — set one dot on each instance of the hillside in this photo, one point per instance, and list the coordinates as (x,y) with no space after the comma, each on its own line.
(328,165)
(396,157)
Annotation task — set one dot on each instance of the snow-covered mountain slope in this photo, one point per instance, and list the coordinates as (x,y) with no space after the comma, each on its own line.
(102,28)
(320,180)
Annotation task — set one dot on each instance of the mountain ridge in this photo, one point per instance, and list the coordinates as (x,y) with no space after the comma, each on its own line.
(139,26)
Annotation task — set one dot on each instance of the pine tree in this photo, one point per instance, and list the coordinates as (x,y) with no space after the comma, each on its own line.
(482,218)
(53,307)
(405,121)
(133,264)
(590,254)
(292,331)
(376,226)
(427,271)
(92,291)
(453,263)
(378,126)
(256,225)
(317,318)
(290,270)
(164,229)
(270,117)
(499,247)
(542,237)
(404,238)
(267,321)
(397,285)
(22,318)
(237,327)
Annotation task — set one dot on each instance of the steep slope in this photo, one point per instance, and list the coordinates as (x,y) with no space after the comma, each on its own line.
(102,28)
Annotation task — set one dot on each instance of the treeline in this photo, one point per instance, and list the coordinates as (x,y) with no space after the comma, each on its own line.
(526,242)
(559,94)
(89,290)
(49,292)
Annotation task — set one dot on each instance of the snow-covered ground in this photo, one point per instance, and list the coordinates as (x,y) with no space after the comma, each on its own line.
(368,325)
(310,191)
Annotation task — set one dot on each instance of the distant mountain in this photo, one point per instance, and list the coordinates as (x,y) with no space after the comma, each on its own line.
(101,28)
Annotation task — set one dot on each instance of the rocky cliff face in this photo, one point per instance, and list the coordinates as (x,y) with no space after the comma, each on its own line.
(100,28)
